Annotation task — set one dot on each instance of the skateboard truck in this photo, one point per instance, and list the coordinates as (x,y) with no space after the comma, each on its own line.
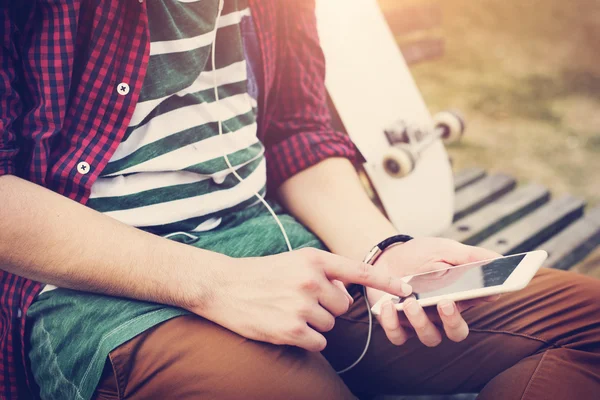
(408,143)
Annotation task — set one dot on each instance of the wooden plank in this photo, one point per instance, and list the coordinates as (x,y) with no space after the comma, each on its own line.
(467,176)
(480,193)
(537,227)
(590,266)
(575,242)
(407,19)
(421,50)
(481,224)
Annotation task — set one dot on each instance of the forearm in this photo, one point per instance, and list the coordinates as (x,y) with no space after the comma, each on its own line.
(51,239)
(329,199)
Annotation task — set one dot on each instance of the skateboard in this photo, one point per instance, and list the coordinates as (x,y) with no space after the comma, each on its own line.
(407,172)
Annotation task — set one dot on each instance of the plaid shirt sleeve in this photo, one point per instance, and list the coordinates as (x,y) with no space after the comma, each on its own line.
(9,98)
(300,132)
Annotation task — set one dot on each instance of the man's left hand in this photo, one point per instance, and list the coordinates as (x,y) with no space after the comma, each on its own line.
(419,256)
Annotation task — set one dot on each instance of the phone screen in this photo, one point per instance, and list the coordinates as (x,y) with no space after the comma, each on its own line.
(464,277)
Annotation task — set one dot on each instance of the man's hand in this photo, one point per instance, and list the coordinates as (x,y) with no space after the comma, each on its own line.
(418,256)
(289,298)
(329,199)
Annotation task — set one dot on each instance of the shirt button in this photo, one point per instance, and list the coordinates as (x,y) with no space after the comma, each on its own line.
(83,168)
(123,89)
(19,313)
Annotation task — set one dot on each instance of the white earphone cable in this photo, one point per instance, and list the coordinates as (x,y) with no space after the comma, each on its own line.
(370,331)
(261,198)
(220,126)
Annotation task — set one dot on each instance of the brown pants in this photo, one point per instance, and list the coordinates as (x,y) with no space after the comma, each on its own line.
(539,343)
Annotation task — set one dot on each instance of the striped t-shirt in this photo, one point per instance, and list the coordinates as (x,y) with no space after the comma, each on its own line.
(168,174)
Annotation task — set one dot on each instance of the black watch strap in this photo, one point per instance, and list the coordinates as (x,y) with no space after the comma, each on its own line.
(376,251)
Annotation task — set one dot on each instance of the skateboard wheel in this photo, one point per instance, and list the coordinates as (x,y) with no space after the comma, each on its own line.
(398,162)
(452,125)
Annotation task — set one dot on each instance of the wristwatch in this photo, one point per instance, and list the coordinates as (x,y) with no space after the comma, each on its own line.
(378,249)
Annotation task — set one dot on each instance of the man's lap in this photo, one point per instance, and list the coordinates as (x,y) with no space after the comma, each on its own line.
(517,329)
(192,358)
(72,332)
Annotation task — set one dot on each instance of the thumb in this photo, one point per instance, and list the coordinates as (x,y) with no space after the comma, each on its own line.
(458,253)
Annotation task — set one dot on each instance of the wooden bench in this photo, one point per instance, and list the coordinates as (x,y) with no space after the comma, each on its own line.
(493,212)
(417,27)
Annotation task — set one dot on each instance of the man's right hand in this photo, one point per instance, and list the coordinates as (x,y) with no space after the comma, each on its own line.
(289,298)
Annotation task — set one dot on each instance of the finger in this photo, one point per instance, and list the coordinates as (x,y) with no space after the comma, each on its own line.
(308,339)
(320,319)
(351,271)
(456,253)
(479,254)
(391,324)
(474,254)
(334,299)
(428,334)
(455,326)
(342,287)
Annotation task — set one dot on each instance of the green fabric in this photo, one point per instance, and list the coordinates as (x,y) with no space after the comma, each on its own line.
(73,332)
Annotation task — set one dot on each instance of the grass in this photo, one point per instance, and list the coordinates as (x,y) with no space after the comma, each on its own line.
(526,76)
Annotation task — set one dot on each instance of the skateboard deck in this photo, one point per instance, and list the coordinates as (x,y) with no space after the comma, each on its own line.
(373,90)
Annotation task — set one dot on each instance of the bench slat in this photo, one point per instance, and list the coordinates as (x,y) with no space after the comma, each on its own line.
(480,193)
(534,229)
(490,219)
(575,242)
(467,176)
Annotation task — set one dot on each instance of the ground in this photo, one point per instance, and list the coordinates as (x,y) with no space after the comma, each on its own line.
(526,76)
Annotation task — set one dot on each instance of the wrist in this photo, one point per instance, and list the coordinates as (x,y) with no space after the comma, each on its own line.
(200,279)
(377,250)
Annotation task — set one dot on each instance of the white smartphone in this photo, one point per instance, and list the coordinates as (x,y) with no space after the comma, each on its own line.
(470,281)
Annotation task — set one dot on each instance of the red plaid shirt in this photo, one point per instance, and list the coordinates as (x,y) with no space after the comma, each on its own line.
(61,63)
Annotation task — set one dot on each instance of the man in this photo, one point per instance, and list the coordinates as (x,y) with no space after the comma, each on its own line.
(166,276)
